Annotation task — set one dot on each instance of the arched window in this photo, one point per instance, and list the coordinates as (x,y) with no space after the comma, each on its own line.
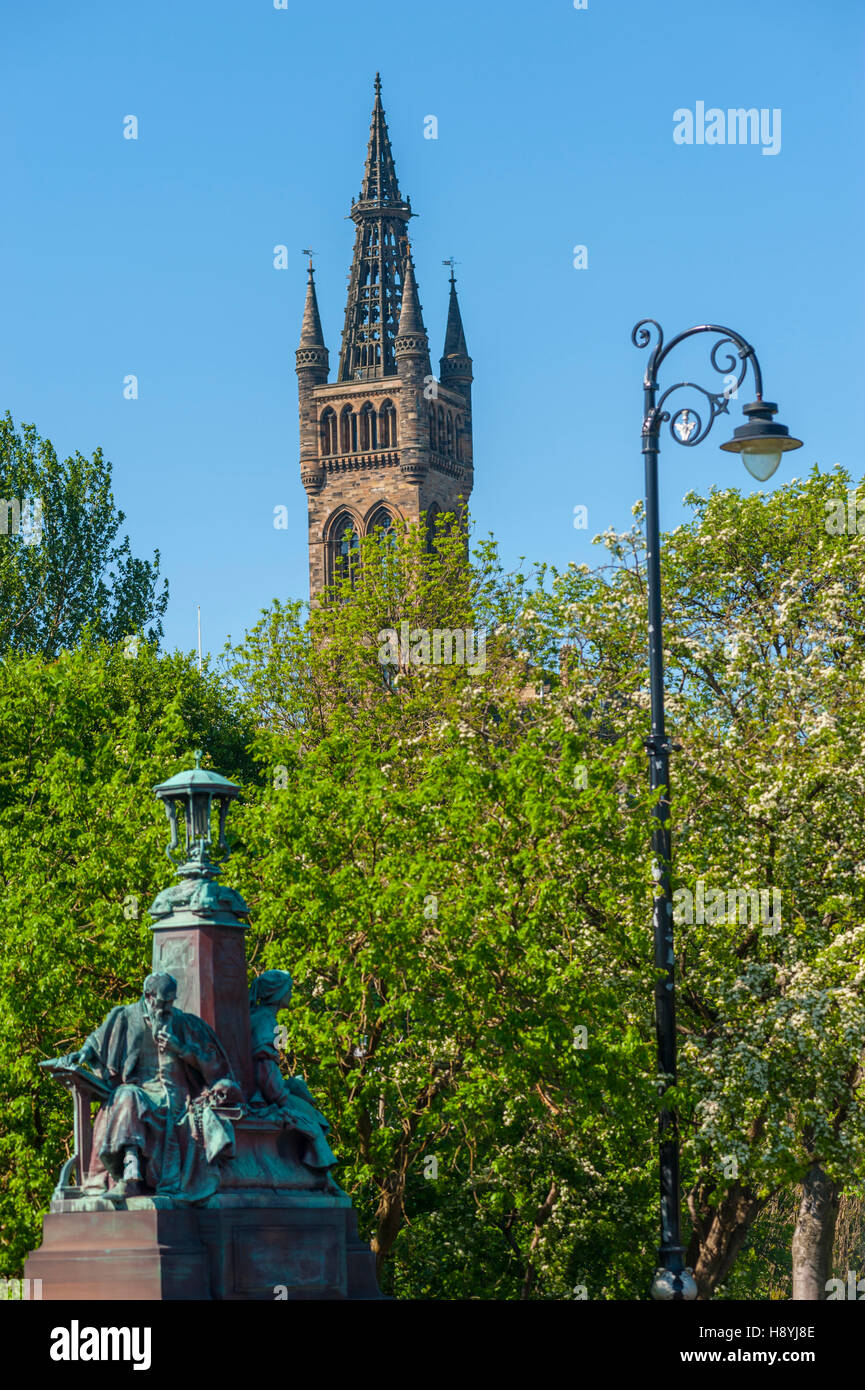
(348,431)
(450,426)
(458,431)
(387,425)
(381,525)
(343,549)
(441,430)
(368,427)
(381,521)
(432,430)
(328,432)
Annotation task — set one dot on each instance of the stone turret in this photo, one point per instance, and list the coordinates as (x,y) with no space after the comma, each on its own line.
(312,365)
(411,350)
(455,367)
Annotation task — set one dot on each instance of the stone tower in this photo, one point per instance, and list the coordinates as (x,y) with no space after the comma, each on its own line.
(388,440)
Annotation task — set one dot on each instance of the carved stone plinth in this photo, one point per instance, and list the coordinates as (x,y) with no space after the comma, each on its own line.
(148,1255)
(258,1253)
(290,1253)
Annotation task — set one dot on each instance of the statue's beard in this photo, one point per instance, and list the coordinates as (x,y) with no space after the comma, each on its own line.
(155,1022)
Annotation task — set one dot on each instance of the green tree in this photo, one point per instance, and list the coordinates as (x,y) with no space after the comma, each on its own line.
(440,858)
(85,739)
(454,863)
(67,569)
(765,643)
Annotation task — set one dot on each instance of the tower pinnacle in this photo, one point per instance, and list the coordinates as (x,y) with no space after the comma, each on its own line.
(311,335)
(410,316)
(455,338)
(379,175)
(381,215)
(455,365)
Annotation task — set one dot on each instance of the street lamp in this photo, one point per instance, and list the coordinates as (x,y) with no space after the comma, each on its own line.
(761,443)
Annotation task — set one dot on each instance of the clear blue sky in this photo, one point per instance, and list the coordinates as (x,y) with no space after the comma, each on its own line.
(154,256)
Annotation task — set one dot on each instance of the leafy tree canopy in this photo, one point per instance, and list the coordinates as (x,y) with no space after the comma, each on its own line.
(67,569)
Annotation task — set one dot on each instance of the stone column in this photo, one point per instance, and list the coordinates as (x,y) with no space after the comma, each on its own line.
(207,958)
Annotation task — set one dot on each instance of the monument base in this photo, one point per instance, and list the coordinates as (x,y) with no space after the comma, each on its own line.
(223,1253)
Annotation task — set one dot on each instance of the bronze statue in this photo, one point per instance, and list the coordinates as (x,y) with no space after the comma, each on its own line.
(206,1174)
(287,1100)
(167,1078)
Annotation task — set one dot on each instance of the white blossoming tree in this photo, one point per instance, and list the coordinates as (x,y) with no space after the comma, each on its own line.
(765,651)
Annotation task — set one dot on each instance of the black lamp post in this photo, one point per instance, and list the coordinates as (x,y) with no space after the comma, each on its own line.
(761,443)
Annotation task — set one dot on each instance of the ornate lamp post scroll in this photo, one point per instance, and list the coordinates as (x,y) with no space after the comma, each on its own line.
(761,443)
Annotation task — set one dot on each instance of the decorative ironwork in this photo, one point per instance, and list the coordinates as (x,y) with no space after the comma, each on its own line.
(689,426)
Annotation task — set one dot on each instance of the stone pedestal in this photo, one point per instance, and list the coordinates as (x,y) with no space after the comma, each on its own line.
(208,961)
(143,1255)
(259,1253)
(301,1253)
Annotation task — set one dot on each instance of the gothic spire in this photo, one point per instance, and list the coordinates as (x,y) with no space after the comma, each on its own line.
(310,330)
(410,316)
(455,338)
(381,216)
(379,175)
(455,365)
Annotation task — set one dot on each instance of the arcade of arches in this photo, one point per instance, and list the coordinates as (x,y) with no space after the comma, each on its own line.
(360,431)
